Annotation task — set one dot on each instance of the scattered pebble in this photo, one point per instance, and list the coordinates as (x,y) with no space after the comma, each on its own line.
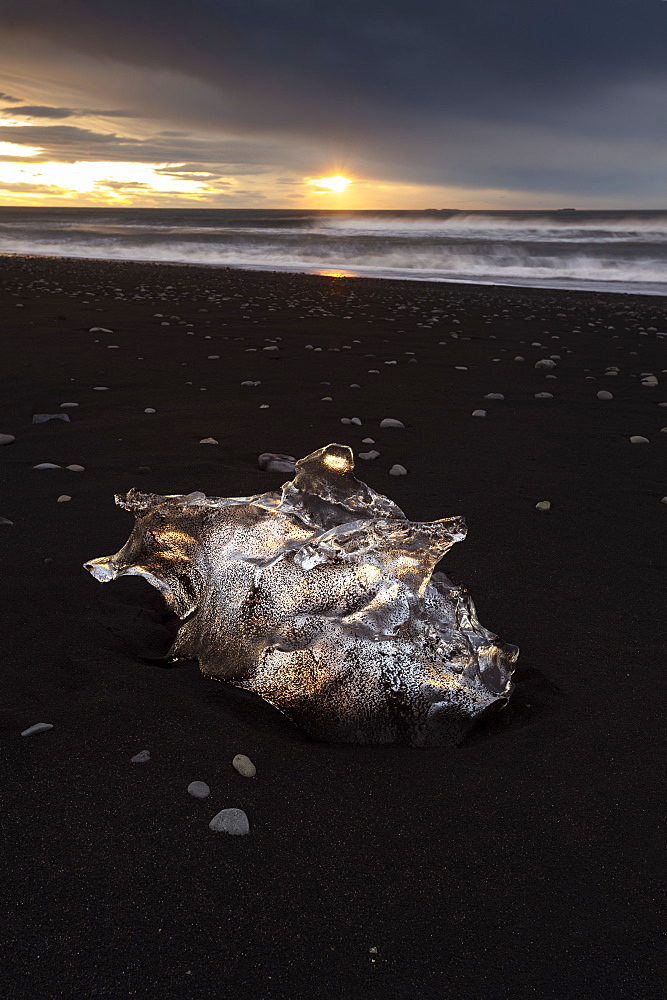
(199,789)
(369,455)
(63,498)
(244,766)
(398,470)
(544,364)
(39,727)
(650,381)
(494,395)
(7,439)
(252,384)
(232,821)
(75,468)
(390,422)
(208,441)
(543,505)
(543,395)
(149,409)
(519,358)
(100,388)
(6,522)
(603,394)
(64,406)
(41,418)
(47,465)
(638,439)
(141,757)
(268,461)
(479,413)
(367,441)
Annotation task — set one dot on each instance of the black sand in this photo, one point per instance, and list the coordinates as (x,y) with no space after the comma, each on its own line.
(524,863)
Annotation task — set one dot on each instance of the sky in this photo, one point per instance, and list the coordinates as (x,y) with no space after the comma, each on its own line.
(251,103)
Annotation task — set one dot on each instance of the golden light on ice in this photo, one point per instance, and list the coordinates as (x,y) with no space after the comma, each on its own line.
(335,184)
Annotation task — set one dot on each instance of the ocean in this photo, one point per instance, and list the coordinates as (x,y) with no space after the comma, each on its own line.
(614,251)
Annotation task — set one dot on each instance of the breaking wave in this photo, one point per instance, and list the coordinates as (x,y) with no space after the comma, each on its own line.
(598,251)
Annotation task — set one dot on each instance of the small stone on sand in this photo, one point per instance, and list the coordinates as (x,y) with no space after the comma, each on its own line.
(47,465)
(603,394)
(479,413)
(64,406)
(494,395)
(208,441)
(6,522)
(199,789)
(543,395)
(638,439)
(544,364)
(398,470)
(244,766)
(39,727)
(368,456)
(7,439)
(543,505)
(232,821)
(149,409)
(390,422)
(141,757)
(63,498)
(41,418)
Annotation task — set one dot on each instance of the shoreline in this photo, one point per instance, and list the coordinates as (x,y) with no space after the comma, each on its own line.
(316,272)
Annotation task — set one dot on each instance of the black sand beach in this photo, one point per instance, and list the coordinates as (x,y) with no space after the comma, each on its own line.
(522,864)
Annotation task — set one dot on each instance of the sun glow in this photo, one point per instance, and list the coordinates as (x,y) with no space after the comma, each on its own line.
(327,185)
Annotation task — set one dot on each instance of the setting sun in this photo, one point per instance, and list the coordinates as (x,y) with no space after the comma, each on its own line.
(335,184)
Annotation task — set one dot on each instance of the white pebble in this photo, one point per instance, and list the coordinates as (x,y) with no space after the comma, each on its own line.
(479,413)
(603,394)
(141,757)
(208,441)
(7,439)
(232,821)
(63,498)
(543,505)
(543,395)
(47,465)
(216,357)
(519,358)
(494,395)
(545,363)
(367,441)
(64,406)
(199,789)
(244,765)
(39,727)
(100,388)
(149,409)
(368,456)
(650,381)
(638,439)
(7,522)
(398,470)
(390,422)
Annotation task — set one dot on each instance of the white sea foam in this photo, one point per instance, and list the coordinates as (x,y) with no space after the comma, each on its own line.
(596,251)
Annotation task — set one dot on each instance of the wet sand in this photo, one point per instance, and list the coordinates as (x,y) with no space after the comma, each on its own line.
(522,864)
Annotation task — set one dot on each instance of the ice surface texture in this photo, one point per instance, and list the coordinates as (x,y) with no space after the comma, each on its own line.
(322,599)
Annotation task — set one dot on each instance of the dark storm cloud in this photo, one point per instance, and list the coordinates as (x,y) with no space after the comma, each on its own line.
(43,111)
(8,97)
(438,91)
